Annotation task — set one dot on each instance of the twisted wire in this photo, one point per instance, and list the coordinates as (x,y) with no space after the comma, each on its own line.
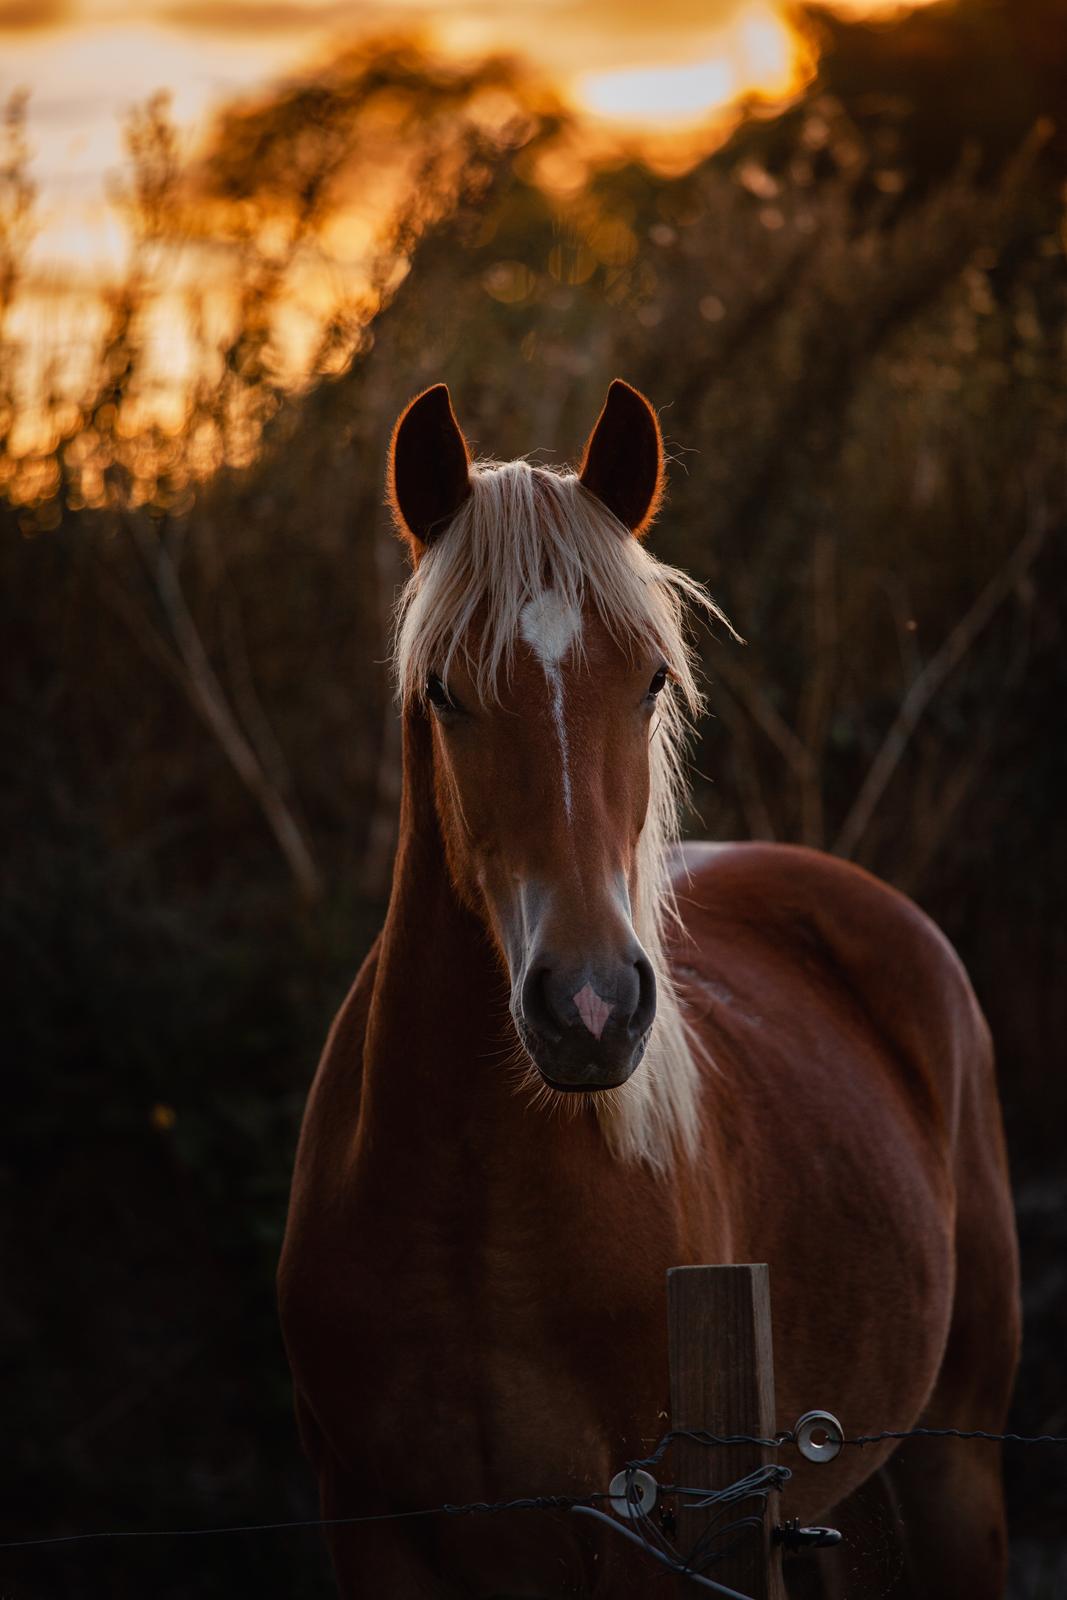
(651,1538)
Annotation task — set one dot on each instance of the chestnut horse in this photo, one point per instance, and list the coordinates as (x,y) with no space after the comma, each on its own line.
(577,1055)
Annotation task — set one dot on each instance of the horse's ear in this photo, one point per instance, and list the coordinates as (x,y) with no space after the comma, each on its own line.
(623,460)
(429,469)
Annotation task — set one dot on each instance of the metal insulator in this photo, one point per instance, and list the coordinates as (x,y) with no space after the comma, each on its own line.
(794,1537)
(831,1436)
(632,1493)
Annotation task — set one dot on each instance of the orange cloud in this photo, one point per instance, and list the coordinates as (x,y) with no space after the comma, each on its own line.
(237,17)
(33,16)
(554,33)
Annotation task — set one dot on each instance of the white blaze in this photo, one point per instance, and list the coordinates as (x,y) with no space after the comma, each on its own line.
(550,626)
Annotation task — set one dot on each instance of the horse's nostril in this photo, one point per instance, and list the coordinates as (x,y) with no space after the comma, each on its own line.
(536,1008)
(645,1010)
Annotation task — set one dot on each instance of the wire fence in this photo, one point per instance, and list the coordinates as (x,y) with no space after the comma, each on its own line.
(737,1509)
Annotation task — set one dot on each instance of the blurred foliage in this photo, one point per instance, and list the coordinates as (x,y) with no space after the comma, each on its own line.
(855,319)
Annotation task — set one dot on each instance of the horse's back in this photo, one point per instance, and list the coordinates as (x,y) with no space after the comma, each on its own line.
(780,938)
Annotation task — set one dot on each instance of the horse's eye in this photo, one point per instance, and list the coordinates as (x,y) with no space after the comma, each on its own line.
(657,683)
(438,695)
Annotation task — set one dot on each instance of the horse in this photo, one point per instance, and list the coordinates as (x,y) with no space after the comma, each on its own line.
(579,1054)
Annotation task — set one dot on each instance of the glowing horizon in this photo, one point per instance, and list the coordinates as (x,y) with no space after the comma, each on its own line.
(758,52)
(661,83)
(86,63)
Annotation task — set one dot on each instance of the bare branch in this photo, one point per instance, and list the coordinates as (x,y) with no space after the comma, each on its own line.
(246,696)
(818,695)
(746,767)
(936,820)
(744,689)
(209,699)
(929,682)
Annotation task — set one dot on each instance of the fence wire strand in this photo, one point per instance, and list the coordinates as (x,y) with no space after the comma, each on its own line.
(756,1485)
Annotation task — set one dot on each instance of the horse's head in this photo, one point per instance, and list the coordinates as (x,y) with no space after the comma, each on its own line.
(543,643)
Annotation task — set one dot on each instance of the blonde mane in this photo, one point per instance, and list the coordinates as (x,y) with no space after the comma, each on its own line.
(522,530)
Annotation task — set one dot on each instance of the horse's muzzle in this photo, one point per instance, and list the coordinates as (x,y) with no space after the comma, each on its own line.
(586,1028)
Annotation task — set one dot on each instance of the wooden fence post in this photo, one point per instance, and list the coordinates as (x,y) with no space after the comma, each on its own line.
(722,1380)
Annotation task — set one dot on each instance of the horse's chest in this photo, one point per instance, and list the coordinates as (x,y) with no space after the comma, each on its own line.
(519,1370)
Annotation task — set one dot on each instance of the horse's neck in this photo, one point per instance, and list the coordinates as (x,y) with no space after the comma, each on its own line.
(440,1053)
(450,1154)
(439,1000)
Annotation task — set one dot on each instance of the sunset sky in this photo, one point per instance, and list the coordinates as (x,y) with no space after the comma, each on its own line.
(646,72)
(638,63)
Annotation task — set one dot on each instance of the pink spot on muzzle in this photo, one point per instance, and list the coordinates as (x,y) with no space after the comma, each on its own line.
(593,1011)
